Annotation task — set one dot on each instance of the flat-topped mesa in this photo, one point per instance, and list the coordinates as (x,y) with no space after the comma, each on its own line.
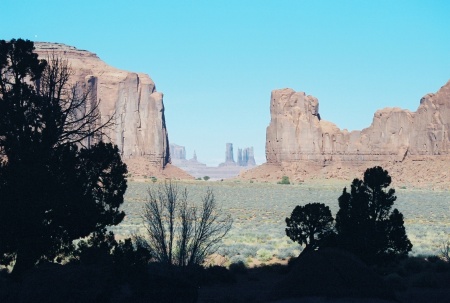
(140,127)
(296,132)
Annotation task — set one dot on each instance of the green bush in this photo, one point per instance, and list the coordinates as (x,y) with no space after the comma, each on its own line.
(264,255)
(284,180)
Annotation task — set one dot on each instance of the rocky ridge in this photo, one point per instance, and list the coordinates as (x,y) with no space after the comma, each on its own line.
(140,127)
(300,144)
(296,131)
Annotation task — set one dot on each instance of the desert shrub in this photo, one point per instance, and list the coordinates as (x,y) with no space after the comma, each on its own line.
(239,249)
(206,178)
(229,250)
(238,267)
(284,180)
(286,253)
(264,255)
(249,251)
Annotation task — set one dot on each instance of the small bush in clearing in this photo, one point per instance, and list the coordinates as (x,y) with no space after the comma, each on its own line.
(264,255)
(284,180)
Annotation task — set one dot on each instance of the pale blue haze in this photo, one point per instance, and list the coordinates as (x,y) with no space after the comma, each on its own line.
(217,61)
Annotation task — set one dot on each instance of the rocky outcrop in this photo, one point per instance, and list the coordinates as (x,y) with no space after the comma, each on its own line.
(226,170)
(229,156)
(296,132)
(177,152)
(246,157)
(140,128)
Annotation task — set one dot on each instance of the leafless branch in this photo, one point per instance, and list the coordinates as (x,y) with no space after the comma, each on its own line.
(180,234)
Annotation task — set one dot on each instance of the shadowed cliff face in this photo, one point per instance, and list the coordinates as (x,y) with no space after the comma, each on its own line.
(140,128)
(296,132)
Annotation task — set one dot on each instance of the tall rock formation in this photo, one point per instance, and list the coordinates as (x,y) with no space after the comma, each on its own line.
(229,156)
(177,152)
(246,157)
(140,128)
(296,132)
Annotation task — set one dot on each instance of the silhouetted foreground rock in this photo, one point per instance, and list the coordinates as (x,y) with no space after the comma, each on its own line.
(331,273)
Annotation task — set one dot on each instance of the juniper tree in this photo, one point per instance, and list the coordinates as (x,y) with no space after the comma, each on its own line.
(52,189)
(310,224)
(365,223)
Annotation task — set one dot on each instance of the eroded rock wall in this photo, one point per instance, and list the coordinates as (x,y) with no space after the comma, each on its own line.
(140,128)
(296,132)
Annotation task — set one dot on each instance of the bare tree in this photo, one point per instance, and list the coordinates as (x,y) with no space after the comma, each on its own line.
(445,251)
(78,119)
(179,233)
(52,191)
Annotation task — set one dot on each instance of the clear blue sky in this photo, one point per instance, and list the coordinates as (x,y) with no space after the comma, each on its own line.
(217,61)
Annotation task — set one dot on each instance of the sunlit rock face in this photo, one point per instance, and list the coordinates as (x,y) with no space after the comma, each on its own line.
(296,132)
(139,129)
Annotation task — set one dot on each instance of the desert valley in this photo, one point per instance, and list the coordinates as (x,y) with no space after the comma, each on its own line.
(308,160)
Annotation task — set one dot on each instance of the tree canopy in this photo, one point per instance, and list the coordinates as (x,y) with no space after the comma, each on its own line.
(54,188)
(310,224)
(365,223)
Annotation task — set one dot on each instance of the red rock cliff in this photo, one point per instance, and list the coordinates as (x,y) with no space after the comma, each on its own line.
(296,132)
(140,128)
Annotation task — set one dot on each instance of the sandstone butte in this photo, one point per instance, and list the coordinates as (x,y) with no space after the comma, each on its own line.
(413,146)
(140,129)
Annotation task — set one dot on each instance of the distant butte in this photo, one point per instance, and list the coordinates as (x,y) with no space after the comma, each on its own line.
(300,144)
(140,129)
(226,170)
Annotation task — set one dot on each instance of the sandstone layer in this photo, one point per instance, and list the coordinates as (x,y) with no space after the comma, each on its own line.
(131,98)
(296,131)
(411,144)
